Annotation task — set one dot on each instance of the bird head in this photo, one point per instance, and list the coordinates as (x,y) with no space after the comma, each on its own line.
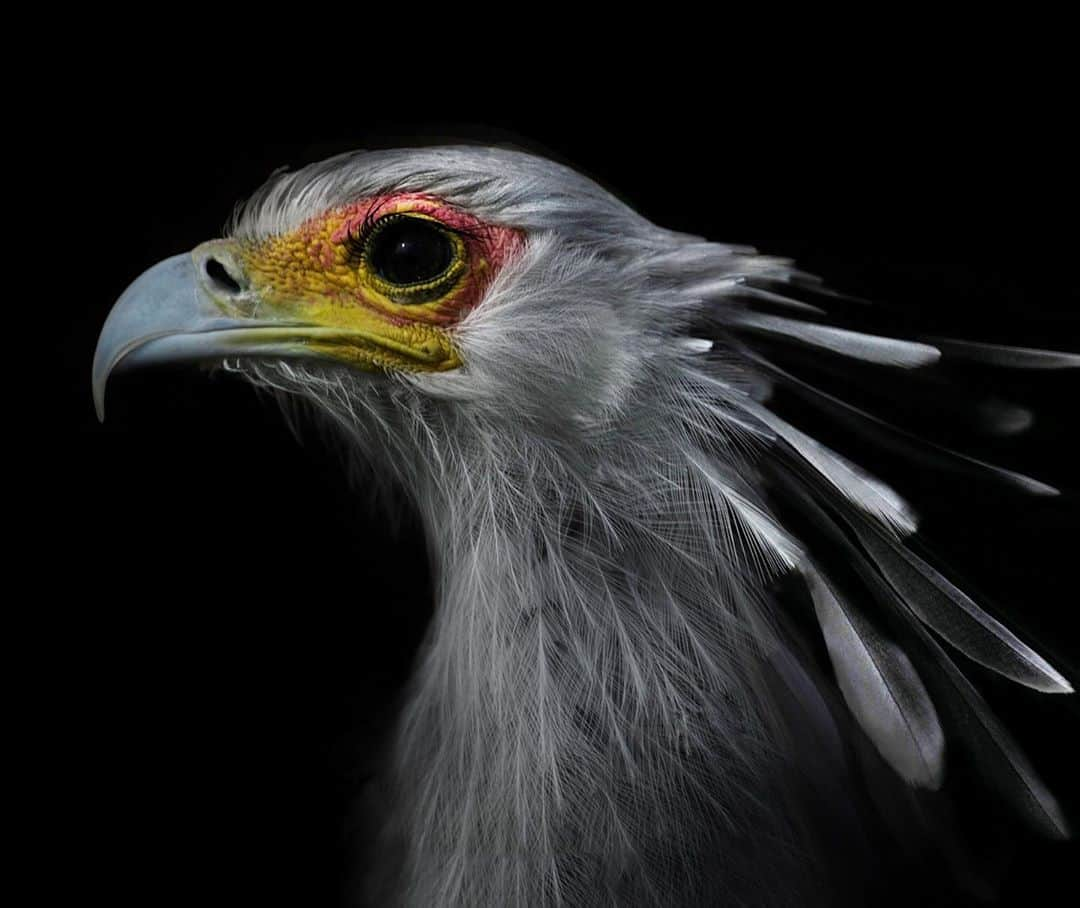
(486,283)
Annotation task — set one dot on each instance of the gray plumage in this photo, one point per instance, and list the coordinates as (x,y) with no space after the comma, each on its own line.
(591,720)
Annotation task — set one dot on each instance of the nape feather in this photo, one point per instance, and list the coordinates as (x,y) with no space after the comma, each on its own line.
(590,708)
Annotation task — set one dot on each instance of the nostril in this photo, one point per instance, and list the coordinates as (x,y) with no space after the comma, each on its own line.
(220,277)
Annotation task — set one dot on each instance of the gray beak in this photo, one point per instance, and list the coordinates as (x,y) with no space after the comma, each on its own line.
(177,312)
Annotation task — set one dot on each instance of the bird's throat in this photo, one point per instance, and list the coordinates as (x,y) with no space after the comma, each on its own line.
(569,703)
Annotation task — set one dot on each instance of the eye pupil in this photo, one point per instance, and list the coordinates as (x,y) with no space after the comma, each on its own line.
(410,251)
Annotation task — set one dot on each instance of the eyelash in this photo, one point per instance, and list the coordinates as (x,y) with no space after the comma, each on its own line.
(356,241)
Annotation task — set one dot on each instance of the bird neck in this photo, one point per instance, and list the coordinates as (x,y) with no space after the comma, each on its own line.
(582,686)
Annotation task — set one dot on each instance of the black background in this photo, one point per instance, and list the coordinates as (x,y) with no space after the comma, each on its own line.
(217,629)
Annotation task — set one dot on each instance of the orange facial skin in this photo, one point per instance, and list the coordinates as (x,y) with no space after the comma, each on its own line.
(318,284)
(319,261)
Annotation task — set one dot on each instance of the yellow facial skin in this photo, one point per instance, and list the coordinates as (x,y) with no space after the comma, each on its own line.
(314,287)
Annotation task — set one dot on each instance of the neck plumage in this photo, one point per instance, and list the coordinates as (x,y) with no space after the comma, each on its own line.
(584,724)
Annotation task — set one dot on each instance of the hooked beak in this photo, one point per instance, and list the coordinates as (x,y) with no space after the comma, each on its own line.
(201,306)
(183,310)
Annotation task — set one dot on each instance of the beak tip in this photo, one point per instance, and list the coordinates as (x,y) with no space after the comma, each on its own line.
(163,300)
(99,377)
(98,387)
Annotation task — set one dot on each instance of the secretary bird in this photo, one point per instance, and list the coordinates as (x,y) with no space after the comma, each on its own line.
(615,704)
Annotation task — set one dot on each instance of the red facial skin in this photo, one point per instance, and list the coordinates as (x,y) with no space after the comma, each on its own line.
(488,248)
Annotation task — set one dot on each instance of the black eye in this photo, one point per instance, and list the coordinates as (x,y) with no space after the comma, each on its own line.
(410,251)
